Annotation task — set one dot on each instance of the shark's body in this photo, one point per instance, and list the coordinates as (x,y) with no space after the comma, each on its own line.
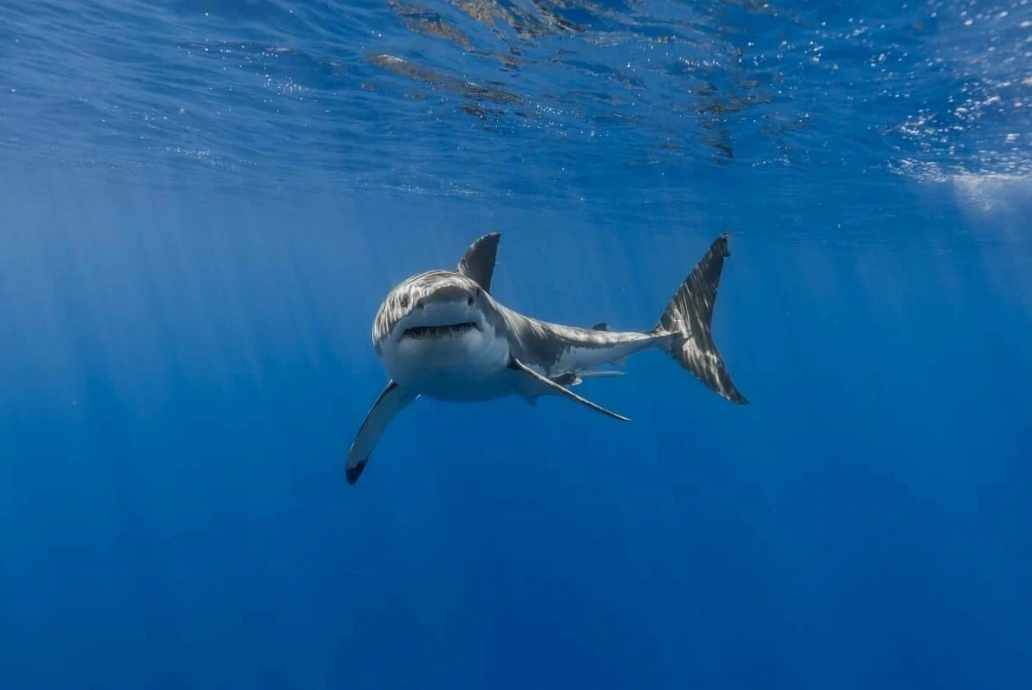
(442,335)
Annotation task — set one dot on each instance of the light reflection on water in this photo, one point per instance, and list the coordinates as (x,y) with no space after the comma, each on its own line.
(256,93)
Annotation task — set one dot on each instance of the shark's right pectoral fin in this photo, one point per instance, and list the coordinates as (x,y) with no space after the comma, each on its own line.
(391,401)
(556,387)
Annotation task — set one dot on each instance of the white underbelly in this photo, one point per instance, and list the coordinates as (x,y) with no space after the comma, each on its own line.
(470,365)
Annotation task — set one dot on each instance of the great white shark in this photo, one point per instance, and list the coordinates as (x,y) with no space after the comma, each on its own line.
(443,335)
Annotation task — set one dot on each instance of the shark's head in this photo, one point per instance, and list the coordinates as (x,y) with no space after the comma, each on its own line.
(440,333)
(431,306)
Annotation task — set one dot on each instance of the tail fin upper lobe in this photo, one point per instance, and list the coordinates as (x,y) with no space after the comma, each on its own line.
(688,318)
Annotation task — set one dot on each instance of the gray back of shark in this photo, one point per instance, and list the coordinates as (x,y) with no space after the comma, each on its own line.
(441,334)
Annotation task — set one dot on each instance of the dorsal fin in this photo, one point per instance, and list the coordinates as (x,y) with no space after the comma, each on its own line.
(603,326)
(479,260)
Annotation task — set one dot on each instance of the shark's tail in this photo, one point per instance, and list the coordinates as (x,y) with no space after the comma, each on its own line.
(687,319)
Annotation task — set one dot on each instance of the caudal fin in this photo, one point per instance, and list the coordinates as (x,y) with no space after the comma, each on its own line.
(687,318)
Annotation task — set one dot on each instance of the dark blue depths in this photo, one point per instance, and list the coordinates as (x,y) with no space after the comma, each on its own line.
(185,355)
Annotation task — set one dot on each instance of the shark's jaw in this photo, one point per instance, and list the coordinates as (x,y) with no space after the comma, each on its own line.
(440,331)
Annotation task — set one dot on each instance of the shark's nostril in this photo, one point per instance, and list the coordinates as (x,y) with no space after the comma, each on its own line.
(469,301)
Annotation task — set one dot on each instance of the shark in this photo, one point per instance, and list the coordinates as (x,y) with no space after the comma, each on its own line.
(443,335)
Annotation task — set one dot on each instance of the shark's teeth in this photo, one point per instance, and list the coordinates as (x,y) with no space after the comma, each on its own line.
(439,331)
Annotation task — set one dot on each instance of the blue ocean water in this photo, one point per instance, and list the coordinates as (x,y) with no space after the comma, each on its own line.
(203,203)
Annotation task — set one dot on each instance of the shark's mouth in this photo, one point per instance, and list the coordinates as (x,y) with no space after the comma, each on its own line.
(439,331)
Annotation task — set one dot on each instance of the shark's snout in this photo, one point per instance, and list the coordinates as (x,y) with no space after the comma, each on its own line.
(447,294)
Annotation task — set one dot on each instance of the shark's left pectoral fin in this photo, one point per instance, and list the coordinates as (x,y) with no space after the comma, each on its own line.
(549,384)
(391,401)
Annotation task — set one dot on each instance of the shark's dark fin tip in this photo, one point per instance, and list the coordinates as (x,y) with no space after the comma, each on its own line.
(721,244)
(354,472)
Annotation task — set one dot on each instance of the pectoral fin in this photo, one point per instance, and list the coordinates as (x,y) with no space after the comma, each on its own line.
(391,401)
(519,366)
